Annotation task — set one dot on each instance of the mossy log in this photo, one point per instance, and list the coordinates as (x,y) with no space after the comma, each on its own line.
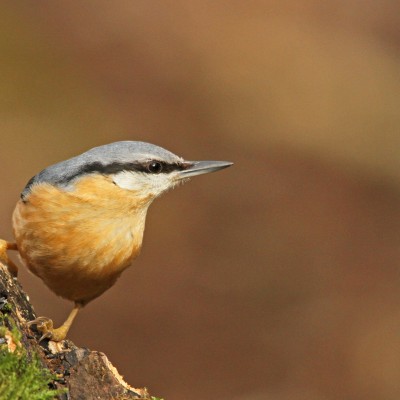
(74,373)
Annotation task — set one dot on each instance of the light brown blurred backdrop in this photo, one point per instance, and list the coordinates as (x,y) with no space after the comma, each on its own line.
(276,279)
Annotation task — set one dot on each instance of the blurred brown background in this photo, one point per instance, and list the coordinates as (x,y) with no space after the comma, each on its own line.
(276,279)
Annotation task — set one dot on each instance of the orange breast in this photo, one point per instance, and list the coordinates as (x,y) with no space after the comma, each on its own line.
(79,241)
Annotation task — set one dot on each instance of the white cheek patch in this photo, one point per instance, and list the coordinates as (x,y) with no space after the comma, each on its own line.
(146,184)
(126,180)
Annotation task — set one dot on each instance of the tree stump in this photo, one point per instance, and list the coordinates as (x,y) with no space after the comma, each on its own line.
(79,374)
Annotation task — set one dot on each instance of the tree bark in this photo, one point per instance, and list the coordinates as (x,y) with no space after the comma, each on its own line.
(86,374)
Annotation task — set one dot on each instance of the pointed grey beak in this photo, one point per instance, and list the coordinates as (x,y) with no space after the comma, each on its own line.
(202,167)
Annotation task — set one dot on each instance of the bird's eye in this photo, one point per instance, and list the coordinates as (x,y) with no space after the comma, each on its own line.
(154,167)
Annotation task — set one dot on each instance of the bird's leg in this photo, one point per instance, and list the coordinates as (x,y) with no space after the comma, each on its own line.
(4,246)
(45,325)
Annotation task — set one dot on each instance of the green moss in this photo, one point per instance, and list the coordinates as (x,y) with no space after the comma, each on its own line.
(3,331)
(6,308)
(16,334)
(22,376)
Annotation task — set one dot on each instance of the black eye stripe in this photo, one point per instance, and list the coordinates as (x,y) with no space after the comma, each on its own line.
(159,167)
(116,167)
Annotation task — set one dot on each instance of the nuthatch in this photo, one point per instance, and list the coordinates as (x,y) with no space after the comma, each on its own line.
(80,223)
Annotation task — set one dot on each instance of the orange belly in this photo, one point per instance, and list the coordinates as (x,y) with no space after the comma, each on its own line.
(79,242)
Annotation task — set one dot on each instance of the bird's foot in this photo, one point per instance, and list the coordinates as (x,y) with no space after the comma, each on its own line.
(4,246)
(45,326)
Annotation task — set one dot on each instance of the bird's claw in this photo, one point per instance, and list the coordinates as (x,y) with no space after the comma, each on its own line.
(47,335)
(42,323)
(45,325)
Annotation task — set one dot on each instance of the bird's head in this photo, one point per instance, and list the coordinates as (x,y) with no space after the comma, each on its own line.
(139,167)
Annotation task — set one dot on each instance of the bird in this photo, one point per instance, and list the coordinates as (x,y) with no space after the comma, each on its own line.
(79,223)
